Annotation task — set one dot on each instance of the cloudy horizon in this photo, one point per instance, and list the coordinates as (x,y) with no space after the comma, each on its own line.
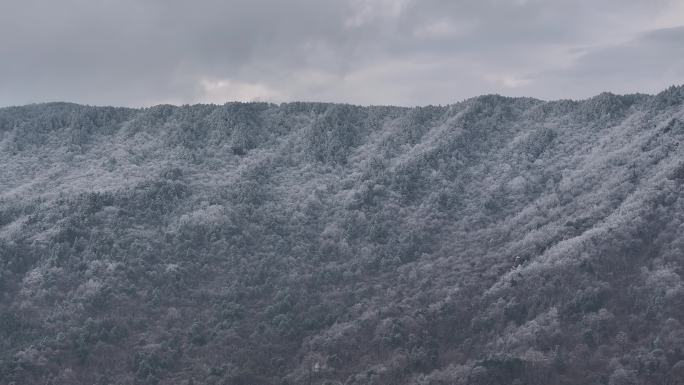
(390,52)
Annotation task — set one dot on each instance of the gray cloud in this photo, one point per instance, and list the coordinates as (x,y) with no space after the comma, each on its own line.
(404,52)
(648,63)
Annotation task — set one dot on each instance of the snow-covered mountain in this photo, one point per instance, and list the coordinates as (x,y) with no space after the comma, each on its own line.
(493,241)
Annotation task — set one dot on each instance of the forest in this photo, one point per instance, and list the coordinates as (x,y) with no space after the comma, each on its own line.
(492,241)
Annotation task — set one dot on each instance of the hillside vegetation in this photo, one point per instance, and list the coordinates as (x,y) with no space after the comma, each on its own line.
(493,241)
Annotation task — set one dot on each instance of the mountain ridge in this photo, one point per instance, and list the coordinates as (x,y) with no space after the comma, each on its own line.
(677,89)
(490,241)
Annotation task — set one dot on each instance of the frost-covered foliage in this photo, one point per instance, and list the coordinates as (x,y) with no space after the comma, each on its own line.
(493,241)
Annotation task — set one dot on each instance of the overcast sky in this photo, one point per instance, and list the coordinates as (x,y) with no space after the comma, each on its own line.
(402,52)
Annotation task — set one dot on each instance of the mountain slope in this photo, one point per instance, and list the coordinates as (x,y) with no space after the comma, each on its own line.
(492,241)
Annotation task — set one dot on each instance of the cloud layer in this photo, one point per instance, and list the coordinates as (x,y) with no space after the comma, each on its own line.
(405,52)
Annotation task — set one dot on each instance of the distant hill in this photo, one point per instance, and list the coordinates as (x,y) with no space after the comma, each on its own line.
(493,241)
